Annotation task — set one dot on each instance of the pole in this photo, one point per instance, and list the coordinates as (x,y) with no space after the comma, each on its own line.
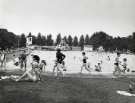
(18,44)
(18,47)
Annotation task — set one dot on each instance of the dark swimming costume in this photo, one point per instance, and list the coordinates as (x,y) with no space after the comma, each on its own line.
(84,59)
(23,57)
(60,57)
(37,58)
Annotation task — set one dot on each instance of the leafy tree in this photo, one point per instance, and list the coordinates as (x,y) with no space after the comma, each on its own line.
(87,39)
(49,40)
(58,39)
(133,35)
(34,40)
(65,38)
(99,39)
(81,42)
(131,44)
(70,40)
(44,40)
(22,41)
(39,39)
(75,41)
(7,39)
(10,40)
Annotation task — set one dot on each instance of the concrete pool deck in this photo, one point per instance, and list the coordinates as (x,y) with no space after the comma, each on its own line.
(74,75)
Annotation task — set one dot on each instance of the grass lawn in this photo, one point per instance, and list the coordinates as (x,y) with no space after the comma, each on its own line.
(65,90)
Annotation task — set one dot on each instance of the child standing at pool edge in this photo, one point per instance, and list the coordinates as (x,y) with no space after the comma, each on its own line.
(85,64)
(59,63)
(117,70)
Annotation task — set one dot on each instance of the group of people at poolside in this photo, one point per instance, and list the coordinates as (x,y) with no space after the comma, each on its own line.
(118,70)
(59,67)
(38,66)
(119,66)
(34,73)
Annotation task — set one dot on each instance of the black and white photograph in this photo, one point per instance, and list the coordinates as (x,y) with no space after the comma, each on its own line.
(67,51)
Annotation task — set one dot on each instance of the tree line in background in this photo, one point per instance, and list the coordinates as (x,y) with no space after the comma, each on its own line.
(97,39)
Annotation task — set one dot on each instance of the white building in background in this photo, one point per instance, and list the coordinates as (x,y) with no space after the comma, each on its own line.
(88,48)
(28,41)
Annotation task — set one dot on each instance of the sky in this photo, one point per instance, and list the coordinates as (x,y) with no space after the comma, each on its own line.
(75,17)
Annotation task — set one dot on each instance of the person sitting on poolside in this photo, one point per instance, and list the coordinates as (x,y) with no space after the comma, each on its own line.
(32,74)
(98,67)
